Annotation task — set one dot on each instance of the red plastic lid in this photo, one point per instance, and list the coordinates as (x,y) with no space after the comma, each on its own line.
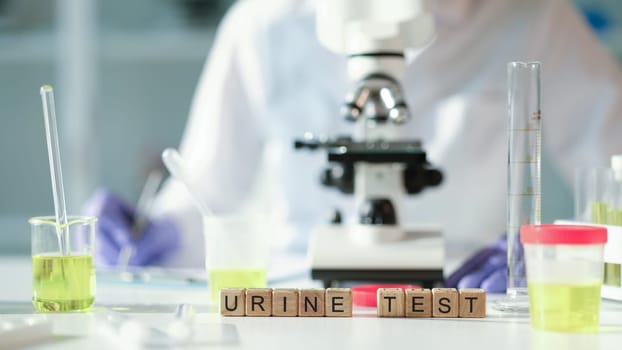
(365,295)
(562,234)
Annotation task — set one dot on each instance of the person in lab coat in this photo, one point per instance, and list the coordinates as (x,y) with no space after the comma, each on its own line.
(268,81)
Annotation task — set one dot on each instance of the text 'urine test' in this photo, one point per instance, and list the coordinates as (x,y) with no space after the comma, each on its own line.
(337,302)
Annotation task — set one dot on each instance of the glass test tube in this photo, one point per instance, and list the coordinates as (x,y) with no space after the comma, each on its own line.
(614,214)
(594,194)
(524,149)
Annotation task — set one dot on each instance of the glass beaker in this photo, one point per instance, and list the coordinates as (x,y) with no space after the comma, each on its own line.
(236,252)
(63,278)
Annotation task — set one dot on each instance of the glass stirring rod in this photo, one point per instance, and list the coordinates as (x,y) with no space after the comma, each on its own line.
(58,192)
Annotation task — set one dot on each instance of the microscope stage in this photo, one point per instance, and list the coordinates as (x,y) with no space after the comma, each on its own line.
(417,258)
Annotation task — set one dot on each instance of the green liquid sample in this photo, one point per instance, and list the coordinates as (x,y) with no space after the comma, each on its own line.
(599,212)
(234,278)
(604,215)
(613,275)
(614,217)
(564,308)
(64,283)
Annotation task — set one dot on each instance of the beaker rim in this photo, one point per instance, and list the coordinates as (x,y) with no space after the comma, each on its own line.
(71,220)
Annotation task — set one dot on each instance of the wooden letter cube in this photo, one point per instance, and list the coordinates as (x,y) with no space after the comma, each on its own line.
(259,302)
(285,302)
(418,302)
(232,301)
(390,302)
(338,302)
(445,302)
(472,303)
(311,302)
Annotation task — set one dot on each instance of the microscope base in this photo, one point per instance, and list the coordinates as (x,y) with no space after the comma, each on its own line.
(416,259)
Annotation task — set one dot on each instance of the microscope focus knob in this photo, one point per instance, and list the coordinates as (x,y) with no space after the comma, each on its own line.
(350,112)
(340,176)
(416,179)
(378,211)
(336,218)
(399,114)
(434,177)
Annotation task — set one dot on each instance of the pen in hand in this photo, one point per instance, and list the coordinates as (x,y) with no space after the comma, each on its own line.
(141,216)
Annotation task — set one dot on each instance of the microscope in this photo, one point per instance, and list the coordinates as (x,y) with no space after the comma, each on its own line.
(377,164)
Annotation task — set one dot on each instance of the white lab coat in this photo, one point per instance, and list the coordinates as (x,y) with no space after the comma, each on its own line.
(268,81)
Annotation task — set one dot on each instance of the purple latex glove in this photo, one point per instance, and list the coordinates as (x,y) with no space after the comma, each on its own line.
(114,231)
(486,269)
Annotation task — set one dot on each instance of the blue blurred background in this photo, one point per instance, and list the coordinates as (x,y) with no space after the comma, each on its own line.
(125,72)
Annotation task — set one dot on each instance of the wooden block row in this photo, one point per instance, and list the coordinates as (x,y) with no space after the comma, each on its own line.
(439,302)
(331,302)
(337,302)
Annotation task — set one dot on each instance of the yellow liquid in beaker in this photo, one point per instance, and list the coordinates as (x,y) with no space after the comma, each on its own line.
(234,278)
(63,283)
(564,308)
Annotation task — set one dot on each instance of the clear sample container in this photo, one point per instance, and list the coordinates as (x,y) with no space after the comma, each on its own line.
(564,275)
(63,273)
(236,252)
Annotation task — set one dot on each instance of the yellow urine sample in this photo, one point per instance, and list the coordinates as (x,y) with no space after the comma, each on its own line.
(564,308)
(599,212)
(234,278)
(63,283)
(614,217)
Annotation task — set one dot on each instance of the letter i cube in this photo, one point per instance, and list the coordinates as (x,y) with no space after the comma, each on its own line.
(285,302)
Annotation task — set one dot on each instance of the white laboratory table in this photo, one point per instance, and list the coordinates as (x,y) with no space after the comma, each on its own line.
(154,305)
